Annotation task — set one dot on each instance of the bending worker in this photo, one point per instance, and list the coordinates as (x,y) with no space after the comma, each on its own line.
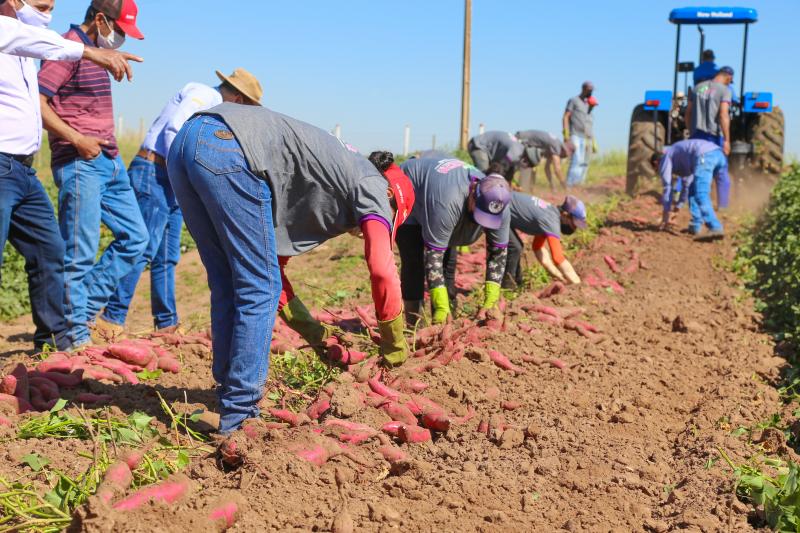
(546,222)
(253,185)
(497,147)
(454,205)
(700,159)
(160,210)
(540,143)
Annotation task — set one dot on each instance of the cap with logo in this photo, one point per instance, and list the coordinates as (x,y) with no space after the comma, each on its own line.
(245,83)
(577,209)
(492,196)
(727,70)
(403,195)
(123,12)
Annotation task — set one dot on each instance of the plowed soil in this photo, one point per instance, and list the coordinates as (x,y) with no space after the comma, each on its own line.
(625,437)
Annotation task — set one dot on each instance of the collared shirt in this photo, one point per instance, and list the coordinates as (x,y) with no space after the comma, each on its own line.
(681,159)
(581,121)
(19,39)
(707,99)
(193,98)
(80,94)
(20,114)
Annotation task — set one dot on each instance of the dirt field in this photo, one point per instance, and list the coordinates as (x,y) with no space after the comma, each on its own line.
(625,437)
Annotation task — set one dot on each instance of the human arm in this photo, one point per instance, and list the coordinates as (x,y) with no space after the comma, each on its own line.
(88,147)
(553,168)
(565,124)
(193,99)
(552,258)
(725,125)
(665,171)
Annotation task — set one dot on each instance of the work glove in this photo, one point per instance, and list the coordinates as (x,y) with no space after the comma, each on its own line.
(566,134)
(491,295)
(393,347)
(312,330)
(441,304)
(594,146)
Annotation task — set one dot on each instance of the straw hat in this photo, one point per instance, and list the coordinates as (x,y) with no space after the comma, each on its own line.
(245,83)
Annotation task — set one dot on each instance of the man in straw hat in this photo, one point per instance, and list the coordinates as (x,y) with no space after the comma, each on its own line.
(160,210)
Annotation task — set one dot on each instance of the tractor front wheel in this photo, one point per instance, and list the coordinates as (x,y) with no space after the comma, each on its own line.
(643,141)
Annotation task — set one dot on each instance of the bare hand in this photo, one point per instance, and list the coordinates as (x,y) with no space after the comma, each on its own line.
(89,147)
(117,63)
(726,147)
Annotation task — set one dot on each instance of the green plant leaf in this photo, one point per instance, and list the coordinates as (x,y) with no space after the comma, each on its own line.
(35,461)
(148,375)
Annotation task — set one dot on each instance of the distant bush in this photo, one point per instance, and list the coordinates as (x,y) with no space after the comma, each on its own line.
(769,259)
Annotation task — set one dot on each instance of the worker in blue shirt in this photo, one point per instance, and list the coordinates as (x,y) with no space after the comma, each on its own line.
(699,160)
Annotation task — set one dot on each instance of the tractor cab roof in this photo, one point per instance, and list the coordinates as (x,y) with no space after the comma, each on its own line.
(713,15)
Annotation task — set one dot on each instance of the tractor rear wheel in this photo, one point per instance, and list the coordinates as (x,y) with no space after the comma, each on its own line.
(767,136)
(643,141)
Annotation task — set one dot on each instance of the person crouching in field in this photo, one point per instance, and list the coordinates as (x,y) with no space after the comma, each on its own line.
(160,210)
(546,222)
(455,204)
(254,185)
(700,159)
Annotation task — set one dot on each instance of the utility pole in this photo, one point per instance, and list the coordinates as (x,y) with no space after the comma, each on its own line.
(464,137)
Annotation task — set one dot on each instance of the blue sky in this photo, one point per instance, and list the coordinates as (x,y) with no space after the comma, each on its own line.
(374,66)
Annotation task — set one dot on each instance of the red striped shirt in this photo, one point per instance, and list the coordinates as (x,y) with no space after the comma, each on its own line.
(80,93)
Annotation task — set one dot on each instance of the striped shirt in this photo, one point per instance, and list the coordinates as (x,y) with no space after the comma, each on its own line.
(80,94)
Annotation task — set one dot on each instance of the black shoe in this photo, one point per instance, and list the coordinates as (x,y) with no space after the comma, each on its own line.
(713,235)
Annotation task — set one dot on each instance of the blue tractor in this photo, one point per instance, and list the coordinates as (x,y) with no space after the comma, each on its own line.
(757,128)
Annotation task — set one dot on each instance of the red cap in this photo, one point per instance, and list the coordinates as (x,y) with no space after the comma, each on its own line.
(127,19)
(403,195)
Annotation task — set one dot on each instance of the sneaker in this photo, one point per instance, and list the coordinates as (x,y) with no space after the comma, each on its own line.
(177,329)
(710,236)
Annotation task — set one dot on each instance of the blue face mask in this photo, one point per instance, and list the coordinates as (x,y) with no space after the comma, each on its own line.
(33,17)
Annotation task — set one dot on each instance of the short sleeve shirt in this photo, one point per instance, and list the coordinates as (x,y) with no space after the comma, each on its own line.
(580,118)
(322,187)
(707,98)
(548,143)
(500,145)
(442,189)
(80,94)
(534,216)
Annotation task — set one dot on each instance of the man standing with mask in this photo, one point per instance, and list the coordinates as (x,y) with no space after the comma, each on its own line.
(579,129)
(26,215)
(93,184)
(162,215)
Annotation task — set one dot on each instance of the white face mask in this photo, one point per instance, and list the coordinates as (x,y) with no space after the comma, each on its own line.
(114,39)
(33,17)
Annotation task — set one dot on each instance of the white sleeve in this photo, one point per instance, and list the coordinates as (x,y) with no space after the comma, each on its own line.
(18,39)
(192,102)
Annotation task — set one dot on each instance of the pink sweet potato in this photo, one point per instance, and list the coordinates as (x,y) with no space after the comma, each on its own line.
(612,264)
(555,288)
(413,434)
(510,406)
(319,407)
(483,426)
(364,313)
(293,419)
(411,385)
(20,405)
(169,364)
(436,421)
(225,513)
(399,412)
(130,353)
(5,422)
(466,418)
(392,454)
(558,363)
(60,379)
(8,385)
(503,362)
(94,372)
(317,455)
(20,372)
(349,426)
(56,363)
(122,369)
(544,309)
(392,428)
(116,481)
(165,492)
(381,388)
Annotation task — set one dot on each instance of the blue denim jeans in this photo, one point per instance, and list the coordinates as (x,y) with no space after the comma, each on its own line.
(164,221)
(28,221)
(700,192)
(722,178)
(228,211)
(90,192)
(579,163)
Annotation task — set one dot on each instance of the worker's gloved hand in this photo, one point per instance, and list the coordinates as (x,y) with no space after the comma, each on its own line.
(312,330)
(595,149)
(393,347)
(566,134)
(441,304)
(491,295)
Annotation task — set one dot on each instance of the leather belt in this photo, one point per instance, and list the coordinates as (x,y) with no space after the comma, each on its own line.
(26,160)
(151,156)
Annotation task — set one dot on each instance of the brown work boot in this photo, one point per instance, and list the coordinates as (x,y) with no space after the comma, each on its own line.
(104,331)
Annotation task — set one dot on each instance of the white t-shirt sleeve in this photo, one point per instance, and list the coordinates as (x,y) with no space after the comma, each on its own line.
(193,100)
(23,40)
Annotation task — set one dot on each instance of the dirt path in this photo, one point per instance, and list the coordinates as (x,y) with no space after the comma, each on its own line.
(625,439)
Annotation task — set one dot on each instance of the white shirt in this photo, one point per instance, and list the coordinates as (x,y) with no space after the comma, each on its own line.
(20,111)
(194,97)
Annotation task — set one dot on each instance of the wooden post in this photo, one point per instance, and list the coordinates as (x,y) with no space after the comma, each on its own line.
(406,139)
(464,137)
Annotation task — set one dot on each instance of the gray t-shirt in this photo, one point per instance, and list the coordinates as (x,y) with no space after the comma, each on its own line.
(707,97)
(321,187)
(548,143)
(440,208)
(580,119)
(534,216)
(500,145)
